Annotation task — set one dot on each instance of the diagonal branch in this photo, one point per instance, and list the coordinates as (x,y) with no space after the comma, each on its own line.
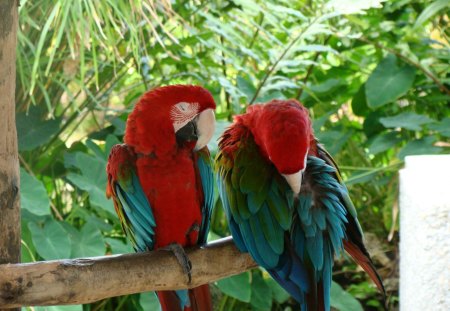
(85,280)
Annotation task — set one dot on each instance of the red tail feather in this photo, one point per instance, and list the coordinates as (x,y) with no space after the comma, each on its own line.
(366,263)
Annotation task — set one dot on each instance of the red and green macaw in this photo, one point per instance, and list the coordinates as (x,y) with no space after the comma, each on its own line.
(161,178)
(285,201)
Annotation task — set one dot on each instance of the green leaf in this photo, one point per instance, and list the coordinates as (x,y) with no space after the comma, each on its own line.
(51,240)
(33,196)
(388,82)
(245,86)
(384,142)
(419,146)
(443,127)
(431,10)
(261,297)
(278,292)
(333,140)
(33,130)
(88,242)
(359,102)
(149,301)
(407,120)
(237,286)
(119,247)
(92,179)
(342,300)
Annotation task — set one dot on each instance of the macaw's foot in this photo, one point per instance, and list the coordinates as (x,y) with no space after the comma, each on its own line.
(182,258)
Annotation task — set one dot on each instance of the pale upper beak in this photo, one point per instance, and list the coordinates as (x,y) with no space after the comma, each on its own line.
(294,181)
(206,124)
(200,129)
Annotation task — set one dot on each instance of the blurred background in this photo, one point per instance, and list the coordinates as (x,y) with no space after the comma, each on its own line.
(373,74)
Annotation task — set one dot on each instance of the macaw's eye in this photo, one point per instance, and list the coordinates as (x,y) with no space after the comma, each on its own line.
(182,113)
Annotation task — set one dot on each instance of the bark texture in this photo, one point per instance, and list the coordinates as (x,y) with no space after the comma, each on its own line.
(86,280)
(9,163)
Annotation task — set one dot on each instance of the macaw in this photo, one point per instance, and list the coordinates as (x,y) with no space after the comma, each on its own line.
(285,201)
(161,179)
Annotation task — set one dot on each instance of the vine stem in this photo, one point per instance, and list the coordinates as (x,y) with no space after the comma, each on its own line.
(270,68)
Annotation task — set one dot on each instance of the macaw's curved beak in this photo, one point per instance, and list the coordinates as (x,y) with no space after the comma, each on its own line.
(294,181)
(199,130)
(188,133)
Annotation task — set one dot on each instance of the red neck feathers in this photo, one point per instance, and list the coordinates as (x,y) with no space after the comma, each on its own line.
(282,130)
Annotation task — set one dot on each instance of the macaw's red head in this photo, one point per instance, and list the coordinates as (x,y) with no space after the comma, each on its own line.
(171,116)
(282,130)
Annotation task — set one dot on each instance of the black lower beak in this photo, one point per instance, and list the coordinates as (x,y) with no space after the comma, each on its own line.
(187,133)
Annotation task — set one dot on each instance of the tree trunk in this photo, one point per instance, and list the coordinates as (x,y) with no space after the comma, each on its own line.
(9,164)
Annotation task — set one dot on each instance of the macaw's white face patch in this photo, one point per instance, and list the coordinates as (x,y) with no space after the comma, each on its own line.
(182,113)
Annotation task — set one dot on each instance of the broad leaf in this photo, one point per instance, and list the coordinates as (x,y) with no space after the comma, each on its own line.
(261,297)
(443,127)
(51,240)
(92,179)
(342,300)
(419,146)
(33,130)
(88,242)
(407,120)
(119,247)
(149,301)
(388,82)
(237,286)
(384,142)
(359,102)
(33,196)
(278,292)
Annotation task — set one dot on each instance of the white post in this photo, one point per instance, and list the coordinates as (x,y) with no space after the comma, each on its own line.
(425,233)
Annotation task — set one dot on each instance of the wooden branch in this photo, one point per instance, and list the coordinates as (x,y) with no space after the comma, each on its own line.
(85,280)
(9,162)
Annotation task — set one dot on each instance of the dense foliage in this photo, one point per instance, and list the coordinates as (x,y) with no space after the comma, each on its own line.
(373,74)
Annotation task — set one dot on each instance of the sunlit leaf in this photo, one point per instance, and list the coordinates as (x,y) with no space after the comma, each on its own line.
(431,10)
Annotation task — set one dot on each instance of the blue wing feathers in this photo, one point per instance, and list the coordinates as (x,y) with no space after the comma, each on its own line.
(293,237)
(207,179)
(138,212)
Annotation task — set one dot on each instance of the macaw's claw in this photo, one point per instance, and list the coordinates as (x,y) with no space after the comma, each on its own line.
(182,258)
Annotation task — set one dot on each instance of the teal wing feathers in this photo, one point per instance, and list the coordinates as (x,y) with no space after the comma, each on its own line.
(354,239)
(206,173)
(130,201)
(260,209)
(295,238)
